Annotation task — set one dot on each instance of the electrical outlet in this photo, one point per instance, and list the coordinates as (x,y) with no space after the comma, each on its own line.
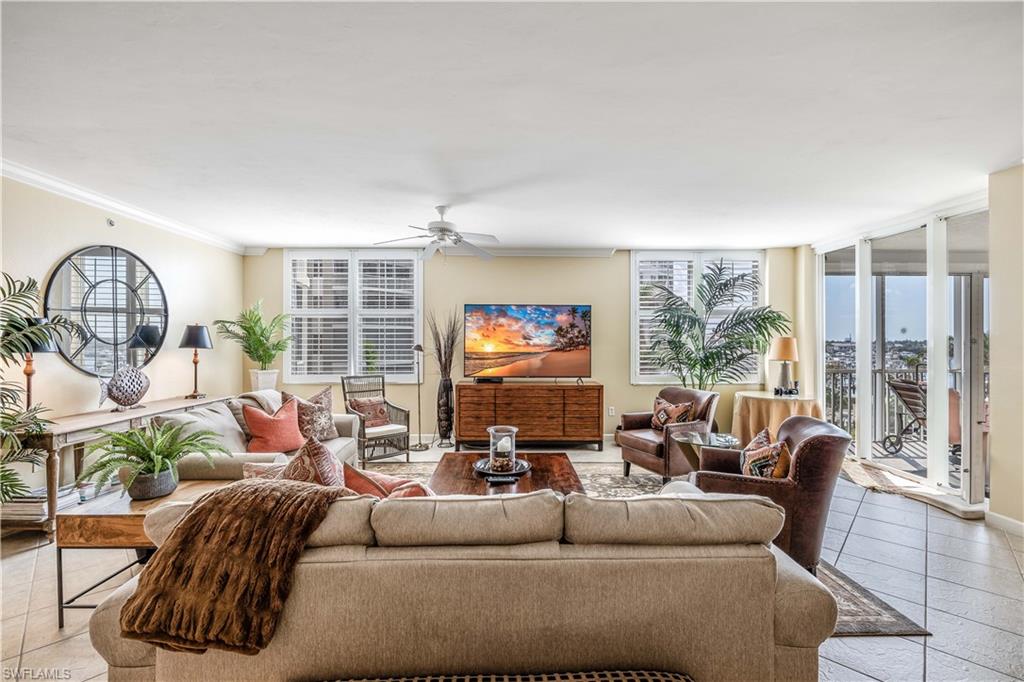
(611,411)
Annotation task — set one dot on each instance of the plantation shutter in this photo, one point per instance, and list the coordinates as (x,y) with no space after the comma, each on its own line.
(317,302)
(746,264)
(386,316)
(676,273)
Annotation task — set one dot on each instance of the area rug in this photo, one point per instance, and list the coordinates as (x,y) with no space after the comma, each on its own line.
(862,614)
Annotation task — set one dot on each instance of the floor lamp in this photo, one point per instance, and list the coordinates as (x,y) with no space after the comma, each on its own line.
(420,446)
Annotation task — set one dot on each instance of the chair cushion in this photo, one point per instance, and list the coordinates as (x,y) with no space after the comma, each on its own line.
(385,430)
(644,440)
(315,415)
(278,432)
(314,464)
(215,417)
(669,413)
(707,519)
(374,411)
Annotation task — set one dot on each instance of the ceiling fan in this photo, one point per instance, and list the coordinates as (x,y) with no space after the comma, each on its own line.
(444,236)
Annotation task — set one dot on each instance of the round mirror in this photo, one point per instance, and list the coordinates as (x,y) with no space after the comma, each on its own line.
(118,305)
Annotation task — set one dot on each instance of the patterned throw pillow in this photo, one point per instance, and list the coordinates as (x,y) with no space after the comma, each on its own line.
(314,463)
(668,413)
(411,489)
(373,411)
(383,486)
(761,440)
(316,418)
(258,470)
(771,461)
(278,432)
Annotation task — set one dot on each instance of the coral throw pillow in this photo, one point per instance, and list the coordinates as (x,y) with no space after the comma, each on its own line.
(668,413)
(381,485)
(374,411)
(771,461)
(278,432)
(315,415)
(314,463)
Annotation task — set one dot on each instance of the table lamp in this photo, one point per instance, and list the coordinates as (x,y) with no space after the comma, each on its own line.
(784,350)
(420,446)
(38,346)
(145,337)
(196,337)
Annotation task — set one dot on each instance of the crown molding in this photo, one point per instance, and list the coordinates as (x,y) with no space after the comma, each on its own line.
(29,176)
(500,252)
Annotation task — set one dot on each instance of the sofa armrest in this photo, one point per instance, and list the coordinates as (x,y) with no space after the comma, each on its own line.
(347,425)
(159,523)
(805,611)
(105,633)
(636,420)
(225,467)
(722,460)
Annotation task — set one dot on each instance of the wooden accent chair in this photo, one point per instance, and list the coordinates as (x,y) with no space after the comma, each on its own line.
(655,450)
(376,442)
(818,449)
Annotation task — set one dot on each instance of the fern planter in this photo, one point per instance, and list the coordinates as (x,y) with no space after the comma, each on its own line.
(148,486)
(262,379)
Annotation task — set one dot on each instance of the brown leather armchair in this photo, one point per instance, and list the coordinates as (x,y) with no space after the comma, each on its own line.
(818,449)
(655,450)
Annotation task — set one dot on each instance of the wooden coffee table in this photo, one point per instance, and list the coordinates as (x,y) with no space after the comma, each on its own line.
(454,475)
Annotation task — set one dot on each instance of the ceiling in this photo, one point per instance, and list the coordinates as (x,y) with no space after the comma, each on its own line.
(548,125)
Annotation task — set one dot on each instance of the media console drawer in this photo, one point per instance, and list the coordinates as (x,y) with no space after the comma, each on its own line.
(543,412)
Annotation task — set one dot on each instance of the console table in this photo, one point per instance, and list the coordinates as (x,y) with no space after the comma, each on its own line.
(75,431)
(543,412)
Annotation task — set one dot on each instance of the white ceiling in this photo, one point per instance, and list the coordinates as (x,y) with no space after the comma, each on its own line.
(548,125)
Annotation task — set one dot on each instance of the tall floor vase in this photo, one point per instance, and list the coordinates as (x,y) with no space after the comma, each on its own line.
(445,411)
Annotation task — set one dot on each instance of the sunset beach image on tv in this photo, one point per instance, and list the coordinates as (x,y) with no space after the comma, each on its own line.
(527,340)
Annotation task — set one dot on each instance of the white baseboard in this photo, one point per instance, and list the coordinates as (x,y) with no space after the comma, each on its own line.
(1004,523)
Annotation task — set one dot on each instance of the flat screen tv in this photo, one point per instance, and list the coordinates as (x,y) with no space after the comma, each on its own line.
(527,341)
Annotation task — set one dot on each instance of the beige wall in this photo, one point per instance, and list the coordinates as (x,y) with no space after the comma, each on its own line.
(1006,360)
(201,282)
(449,283)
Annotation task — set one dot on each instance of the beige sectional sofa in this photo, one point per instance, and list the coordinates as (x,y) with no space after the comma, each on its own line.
(522,584)
(226,420)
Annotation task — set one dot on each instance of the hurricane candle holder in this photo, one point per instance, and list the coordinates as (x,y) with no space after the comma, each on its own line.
(503,448)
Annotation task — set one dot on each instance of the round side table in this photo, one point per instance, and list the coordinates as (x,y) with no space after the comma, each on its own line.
(752,411)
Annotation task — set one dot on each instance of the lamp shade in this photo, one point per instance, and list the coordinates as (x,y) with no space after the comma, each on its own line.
(196,336)
(784,348)
(145,336)
(45,346)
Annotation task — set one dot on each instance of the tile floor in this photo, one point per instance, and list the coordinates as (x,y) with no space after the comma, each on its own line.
(961,580)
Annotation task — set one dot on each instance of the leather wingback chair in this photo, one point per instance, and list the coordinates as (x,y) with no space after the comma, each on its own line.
(818,449)
(655,450)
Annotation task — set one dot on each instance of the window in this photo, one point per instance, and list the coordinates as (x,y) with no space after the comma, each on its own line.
(679,271)
(352,312)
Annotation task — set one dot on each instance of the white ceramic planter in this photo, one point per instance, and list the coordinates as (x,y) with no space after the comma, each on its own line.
(260,379)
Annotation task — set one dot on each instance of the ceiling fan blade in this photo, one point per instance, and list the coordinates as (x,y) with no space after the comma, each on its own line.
(476,250)
(402,239)
(430,250)
(415,227)
(480,237)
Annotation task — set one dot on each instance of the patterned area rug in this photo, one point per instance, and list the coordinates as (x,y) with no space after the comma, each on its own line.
(862,614)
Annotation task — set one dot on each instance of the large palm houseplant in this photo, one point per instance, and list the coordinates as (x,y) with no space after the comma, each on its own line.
(20,332)
(261,340)
(720,336)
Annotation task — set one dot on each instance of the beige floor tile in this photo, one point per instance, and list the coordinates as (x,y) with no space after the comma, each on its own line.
(979,576)
(901,517)
(844,505)
(12,631)
(889,579)
(880,530)
(996,649)
(839,521)
(830,671)
(943,667)
(894,501)
(15,600)
(74,655)
(983,607)
(1015,541)
(883,658)
(849,492)
(834,539)
(885,552)
(967,530)
(42,629)
(8,668)
(978,552)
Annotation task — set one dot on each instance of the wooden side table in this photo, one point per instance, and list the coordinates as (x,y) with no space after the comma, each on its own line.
(114,521)
(752,411)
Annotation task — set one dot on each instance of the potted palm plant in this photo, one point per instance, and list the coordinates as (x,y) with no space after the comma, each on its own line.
(256,336)
(717,339)
(146,460)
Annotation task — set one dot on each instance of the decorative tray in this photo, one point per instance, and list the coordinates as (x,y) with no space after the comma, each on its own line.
(483,466)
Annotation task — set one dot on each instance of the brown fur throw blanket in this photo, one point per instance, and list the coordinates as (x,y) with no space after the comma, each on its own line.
(221,578)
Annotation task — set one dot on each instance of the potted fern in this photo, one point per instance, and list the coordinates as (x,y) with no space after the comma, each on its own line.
(256,336)
(146,460)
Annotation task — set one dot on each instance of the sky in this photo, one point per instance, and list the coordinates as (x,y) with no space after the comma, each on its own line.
(514,328)
(905,315)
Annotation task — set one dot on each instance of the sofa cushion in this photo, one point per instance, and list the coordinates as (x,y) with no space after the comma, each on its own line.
(225,467)
(214,417)
(315,415)
(644,440)
(468,519)
(278,432)
(705,519)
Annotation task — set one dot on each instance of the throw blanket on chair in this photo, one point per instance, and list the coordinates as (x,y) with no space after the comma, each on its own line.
(221,578)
